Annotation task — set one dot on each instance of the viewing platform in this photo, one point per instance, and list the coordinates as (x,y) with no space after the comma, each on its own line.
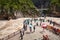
(10,30)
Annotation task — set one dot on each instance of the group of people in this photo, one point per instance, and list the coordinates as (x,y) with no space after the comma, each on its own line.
(25,25)
(51,22)
(31,24)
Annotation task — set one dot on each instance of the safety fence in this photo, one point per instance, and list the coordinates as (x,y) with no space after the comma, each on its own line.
(11,35)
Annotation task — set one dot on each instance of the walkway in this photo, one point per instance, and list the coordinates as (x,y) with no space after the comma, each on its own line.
(38,35)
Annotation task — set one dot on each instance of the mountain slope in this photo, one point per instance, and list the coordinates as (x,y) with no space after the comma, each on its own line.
(9,7)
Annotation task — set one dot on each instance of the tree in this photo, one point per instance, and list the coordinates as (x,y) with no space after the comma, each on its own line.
(10,6)
(53,7)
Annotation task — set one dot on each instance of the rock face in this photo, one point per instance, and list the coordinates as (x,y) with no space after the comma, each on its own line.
(38,3)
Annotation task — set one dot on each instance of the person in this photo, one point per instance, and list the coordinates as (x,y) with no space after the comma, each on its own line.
(23,31)
(30,26)
(33,24)
(40,23)
(34,28)
(50,22)
(37,23)
(53,23)
(24,26)
(21,35)
(44,26)
(45,37)
(43,20)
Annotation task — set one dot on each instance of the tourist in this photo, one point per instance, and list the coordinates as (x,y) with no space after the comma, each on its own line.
(33,24)
(24,26)
(44,25)
(53,23)
(37,22)
(34,28)
(50,22)
(30,26)
(21,35)
(45,37)
(42,20)
(23,31)
(40,23)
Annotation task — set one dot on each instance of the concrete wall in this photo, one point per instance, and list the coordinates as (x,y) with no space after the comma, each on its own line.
(13,36)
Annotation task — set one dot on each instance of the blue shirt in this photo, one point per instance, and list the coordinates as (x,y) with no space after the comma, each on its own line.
(30,25)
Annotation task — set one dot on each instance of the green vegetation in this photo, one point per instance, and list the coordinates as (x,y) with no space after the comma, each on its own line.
(54,8)
(8,7)
(55,2)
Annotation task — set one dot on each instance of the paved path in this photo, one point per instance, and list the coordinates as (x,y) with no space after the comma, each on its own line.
(38,35)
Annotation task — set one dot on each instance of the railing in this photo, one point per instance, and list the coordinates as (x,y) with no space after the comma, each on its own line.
(11,35)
